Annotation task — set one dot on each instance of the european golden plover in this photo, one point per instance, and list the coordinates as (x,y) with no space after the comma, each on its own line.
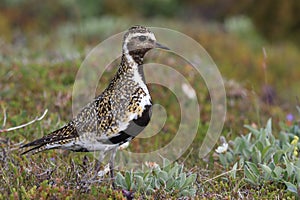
(118,114)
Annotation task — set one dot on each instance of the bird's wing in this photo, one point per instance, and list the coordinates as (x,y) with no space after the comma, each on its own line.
(60,136)
(86,121)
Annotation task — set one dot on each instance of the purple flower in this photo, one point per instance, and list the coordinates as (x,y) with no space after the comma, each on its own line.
(289,117)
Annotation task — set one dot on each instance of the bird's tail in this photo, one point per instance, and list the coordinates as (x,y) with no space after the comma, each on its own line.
(54,140)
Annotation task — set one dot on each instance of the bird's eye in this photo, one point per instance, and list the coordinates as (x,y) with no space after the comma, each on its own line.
(142,38)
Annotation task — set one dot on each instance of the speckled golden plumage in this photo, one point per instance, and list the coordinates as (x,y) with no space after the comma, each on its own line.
(119,113)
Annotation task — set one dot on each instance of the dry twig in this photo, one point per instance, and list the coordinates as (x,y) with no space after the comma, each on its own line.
(4,116)
(23,125)
(223,174)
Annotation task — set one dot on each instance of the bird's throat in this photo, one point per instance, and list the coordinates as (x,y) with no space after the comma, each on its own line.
(134,63)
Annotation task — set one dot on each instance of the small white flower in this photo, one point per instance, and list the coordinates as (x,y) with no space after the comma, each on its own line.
(151,164)
(223,148)
(104,171)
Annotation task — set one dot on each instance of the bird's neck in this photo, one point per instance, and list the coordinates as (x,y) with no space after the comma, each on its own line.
(132,63)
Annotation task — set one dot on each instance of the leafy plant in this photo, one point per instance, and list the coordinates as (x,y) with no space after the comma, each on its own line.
(170,179)
(265,158)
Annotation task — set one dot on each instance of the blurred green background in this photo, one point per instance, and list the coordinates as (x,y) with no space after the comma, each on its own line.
(275,20)
(263,37)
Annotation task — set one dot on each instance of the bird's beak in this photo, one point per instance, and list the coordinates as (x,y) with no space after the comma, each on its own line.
(160,46)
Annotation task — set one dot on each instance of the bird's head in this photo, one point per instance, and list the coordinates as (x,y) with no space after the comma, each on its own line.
(138,40)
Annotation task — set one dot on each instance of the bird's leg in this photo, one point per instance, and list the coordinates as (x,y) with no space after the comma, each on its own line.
(98,164)
(111,166)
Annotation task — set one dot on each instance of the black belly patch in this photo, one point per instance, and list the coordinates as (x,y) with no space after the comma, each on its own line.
(81,150)
(134,128)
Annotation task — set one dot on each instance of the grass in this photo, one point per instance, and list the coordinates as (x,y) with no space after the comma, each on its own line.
(40,75)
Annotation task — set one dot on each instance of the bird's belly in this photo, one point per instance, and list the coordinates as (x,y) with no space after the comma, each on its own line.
(85,145)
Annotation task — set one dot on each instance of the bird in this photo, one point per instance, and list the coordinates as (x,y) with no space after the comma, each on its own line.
(118,114)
